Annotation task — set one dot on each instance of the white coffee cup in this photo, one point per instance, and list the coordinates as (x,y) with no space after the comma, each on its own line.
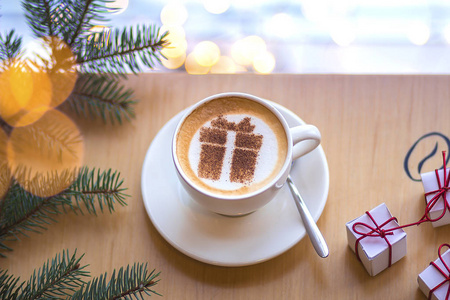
(300,141)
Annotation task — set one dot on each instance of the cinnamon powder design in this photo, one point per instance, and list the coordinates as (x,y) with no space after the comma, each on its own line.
(245,153)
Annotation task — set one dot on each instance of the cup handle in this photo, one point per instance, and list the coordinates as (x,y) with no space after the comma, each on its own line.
(305,138)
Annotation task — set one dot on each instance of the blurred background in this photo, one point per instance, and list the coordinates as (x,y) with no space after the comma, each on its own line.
(285,36)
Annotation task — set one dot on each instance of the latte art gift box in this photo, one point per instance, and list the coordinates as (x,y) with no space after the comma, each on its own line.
(437,196)
(434,280)
(375,240)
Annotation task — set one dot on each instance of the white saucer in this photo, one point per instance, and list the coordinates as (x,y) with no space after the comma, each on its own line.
(229,241)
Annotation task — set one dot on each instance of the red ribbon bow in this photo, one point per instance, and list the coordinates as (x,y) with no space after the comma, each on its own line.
(440,192)
(376,231)
(446,274)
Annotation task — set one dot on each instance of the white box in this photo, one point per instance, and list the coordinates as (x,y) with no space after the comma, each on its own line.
(374,251)
(432,277)
(430,183)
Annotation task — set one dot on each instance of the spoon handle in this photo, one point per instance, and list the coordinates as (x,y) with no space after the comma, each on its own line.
(311,228)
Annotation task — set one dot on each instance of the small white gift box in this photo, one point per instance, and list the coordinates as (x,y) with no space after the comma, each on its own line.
(375,240)
(434,280)
(435,194)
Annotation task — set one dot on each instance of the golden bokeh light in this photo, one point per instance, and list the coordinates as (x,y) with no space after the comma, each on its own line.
(5,173)
(206,53)
(193,67)
(61,69)
(176,32)
(225,65)
(31,86)
(174,14)
(174,62)
(216,7)
(177,42)
(45,156)
(240,69)
(264,63)
(23,89)
(245,50)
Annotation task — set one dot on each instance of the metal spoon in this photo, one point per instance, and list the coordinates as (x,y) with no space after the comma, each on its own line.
(311,228)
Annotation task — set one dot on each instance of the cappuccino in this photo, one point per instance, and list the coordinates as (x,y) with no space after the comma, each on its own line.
(231,146)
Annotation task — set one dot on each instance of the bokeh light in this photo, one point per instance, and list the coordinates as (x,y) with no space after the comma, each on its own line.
(31,86)
(61,69)
(264,62)
(96,32)
(119,5)
(175,31)
(315,10)
(216,6)
(225,65)
(245,50)
(23,89)
(342,32)
(193,67)
(177,42)
(174,14)
(174,62)
(446,33)
(45,155)
(418,33)
(5,173)
(206,53)
(281,25)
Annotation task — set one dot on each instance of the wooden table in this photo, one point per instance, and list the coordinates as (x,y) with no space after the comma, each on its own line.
(368,125)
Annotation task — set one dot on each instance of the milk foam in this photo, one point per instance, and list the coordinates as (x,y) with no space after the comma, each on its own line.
(266,160)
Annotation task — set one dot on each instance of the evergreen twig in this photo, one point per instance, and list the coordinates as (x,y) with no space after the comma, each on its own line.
(113,51)
(9,288)
(105,187)
(102,96)
(38,15)
(118,52)
(10,45)
(58,278)
(64,277)
(23,212)
(126,284)
(66,19)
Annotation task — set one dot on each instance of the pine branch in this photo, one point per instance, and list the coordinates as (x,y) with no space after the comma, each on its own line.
(38,15)
(66,19)
(101,96)
(105,187)
(23,212)
(10,45)
(128,283)
(9,288)
(118,52)
(86,14)
(64,278)
(58,278)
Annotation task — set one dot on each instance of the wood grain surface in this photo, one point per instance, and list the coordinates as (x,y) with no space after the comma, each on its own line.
(368,125)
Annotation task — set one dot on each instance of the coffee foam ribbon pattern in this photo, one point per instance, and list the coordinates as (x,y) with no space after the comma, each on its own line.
(226,151)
